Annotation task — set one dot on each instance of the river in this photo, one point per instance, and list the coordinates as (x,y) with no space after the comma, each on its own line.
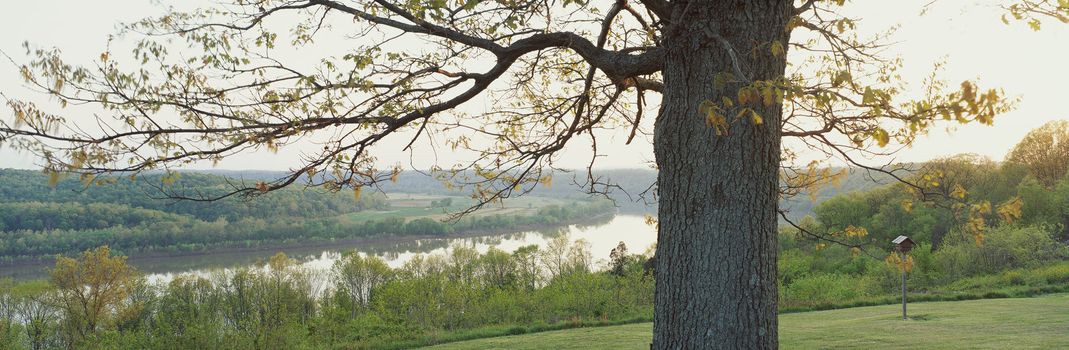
(603,236)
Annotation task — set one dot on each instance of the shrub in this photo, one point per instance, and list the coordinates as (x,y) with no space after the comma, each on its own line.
(825,289)
(1004,247)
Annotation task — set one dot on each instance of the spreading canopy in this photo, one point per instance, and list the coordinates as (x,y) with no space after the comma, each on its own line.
(1044,152)
(211,83)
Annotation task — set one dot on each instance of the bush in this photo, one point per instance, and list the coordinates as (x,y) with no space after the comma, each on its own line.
(517,330)
(1004,247)
(826,289)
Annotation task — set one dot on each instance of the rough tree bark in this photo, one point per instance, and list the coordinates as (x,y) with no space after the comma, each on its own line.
(716,246)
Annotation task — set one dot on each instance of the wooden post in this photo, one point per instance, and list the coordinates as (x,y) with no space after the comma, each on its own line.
(904,288)
(903,245)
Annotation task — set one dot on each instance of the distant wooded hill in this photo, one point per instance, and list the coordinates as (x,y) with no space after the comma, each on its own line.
(28,185)
(632,183)
(33,186)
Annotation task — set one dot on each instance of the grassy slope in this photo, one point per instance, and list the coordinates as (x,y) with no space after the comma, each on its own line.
(1025,323)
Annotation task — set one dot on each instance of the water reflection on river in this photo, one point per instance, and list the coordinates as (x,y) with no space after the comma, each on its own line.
(603,236)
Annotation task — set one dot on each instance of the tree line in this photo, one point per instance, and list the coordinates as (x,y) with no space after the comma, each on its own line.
(146,191)
(96,301)
(962,195)
(993,228)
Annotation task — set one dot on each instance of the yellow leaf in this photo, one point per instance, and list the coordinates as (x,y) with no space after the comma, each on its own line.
(742,113)
(744,96)
(53,178)
(894,260)
(1010,210)
(854,231)
(907,205)
(881,136)
(86,179)
(769,95)
(958,192)
(546,181)
(650,220)
(777,49)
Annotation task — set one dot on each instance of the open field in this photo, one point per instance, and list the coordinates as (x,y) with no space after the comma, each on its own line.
(415,206)
(1023,323)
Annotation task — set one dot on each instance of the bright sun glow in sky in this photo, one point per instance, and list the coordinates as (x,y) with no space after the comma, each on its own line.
(976,44)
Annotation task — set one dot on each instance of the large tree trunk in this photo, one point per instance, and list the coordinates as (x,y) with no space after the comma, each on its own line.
(716,247)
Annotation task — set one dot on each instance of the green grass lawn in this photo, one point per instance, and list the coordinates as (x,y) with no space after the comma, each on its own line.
(1024,323)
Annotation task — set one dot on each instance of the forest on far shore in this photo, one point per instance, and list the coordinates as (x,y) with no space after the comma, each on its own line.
(40,221)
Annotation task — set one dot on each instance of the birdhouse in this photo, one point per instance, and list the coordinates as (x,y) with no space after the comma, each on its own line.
(903,244)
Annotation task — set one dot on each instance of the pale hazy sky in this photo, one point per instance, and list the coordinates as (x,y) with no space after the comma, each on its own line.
(975,43)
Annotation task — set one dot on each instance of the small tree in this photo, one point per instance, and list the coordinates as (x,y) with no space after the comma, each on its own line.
(1044,152)
(618,259)
(528,266)
(359,276)
(498,269)
(35,305)
(91,289)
